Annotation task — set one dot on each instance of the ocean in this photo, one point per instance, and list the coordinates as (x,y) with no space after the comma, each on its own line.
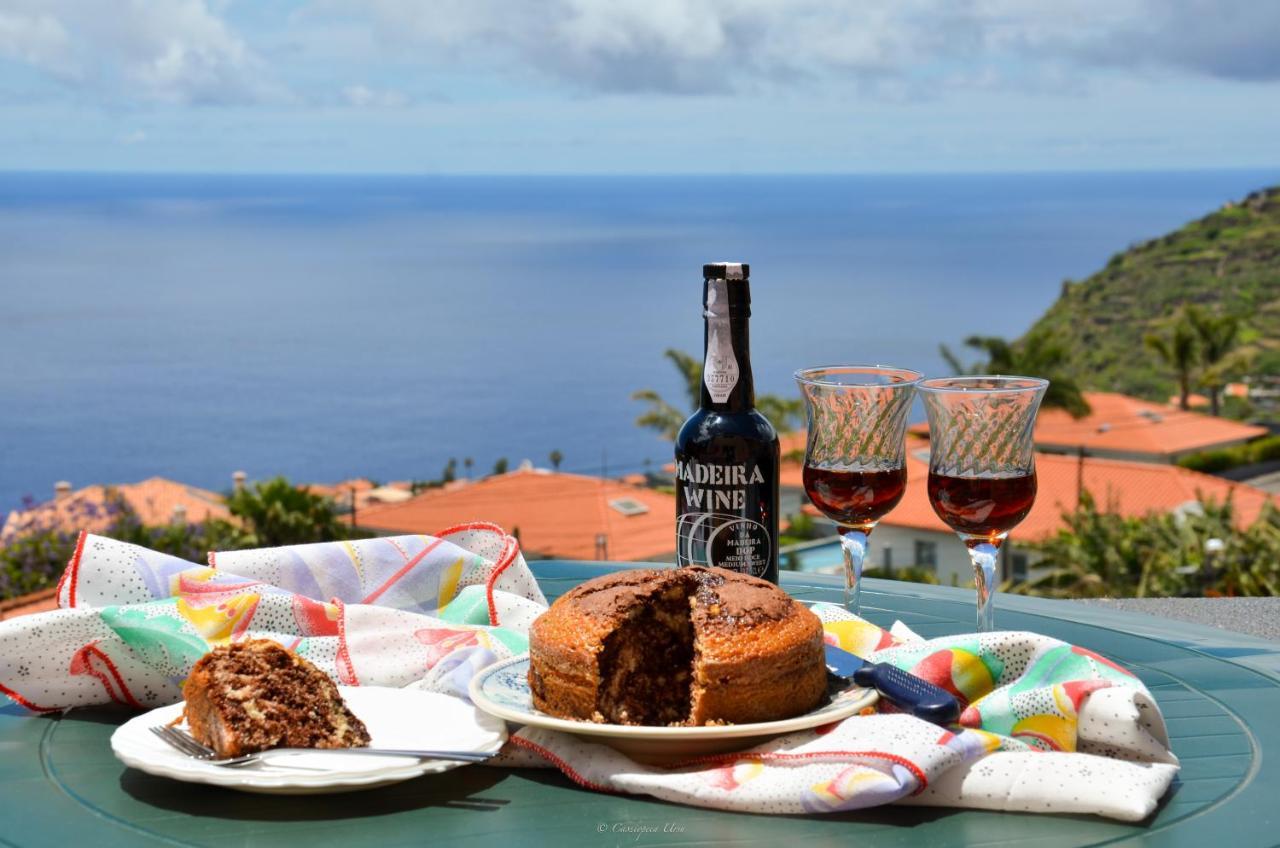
(329,327)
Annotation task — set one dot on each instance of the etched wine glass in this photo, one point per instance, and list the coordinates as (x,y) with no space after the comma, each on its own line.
(982,467)
(855,468)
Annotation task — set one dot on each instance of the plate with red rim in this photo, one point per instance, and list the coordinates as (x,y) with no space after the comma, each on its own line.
(395,718)
(502,690)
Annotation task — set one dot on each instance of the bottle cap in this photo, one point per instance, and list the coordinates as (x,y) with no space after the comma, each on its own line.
(726,271)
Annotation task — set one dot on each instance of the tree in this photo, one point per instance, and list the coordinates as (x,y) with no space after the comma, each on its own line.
(663,416)
(279,513)
(450,471)
(556,458)
(467,463)
(1198,550)
(1217,337)
(667,418)
(500,467)
(1038,355)
(1177,348)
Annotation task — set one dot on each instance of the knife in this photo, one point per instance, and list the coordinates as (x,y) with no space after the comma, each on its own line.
(904,690)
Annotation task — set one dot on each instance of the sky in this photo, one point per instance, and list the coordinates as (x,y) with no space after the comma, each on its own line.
(638,86)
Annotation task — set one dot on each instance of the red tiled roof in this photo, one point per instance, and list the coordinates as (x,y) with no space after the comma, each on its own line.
(1130,488)
(1122,424)
(1125,424)
(336,491)
(557,514)
(153,501)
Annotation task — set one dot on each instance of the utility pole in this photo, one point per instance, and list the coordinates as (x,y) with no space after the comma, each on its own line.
(1079,474)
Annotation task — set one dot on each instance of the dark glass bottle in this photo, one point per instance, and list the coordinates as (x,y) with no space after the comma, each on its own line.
(727,452)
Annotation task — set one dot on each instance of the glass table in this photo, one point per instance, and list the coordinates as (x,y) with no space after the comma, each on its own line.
(1220,692)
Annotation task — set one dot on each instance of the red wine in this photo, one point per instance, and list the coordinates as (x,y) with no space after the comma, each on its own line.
(855,498)
(982,506)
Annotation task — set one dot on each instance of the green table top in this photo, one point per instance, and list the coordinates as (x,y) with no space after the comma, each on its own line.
(1220,692)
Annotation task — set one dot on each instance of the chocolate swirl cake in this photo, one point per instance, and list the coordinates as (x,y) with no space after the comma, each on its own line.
(254,695)
(688,646)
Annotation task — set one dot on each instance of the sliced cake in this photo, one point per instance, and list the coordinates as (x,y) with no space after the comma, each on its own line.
(254,695)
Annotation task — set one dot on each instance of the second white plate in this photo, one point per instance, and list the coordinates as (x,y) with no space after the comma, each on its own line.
(396,718)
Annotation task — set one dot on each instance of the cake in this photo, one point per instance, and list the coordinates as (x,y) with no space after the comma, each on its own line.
(688,646)
(254,695)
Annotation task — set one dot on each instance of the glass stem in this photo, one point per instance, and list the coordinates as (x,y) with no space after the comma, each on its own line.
(986,568)
(854,545)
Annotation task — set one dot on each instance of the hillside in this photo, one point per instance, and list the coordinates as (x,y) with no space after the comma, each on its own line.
(1227,260)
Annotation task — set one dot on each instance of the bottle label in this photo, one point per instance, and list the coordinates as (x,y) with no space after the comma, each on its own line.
(718,507)
(720,369)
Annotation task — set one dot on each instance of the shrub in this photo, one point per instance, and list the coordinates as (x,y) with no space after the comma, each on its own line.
(1266,449)
(1104,554)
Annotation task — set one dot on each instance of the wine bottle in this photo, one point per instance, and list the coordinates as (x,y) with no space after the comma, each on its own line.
(727,452)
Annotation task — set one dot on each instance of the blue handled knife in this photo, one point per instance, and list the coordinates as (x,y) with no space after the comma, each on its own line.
(909,693)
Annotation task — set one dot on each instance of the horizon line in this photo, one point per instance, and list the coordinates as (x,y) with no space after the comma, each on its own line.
(9,172)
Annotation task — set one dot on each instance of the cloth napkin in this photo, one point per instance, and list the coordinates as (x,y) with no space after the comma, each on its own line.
(1046,727)
(397,611)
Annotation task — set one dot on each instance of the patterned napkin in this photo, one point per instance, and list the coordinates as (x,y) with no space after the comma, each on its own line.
(1047,727)
(393,611)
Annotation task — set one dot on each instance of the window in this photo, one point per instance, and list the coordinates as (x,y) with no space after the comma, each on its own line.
(629,506)
(1019,563)
(927,555)
(888,559)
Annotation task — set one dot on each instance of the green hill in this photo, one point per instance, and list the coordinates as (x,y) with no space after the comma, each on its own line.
(1229,261)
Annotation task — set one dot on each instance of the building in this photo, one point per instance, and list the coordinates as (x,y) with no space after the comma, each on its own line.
(156,501)
(554,515)
(913,535)
(1123,427)
(359,493)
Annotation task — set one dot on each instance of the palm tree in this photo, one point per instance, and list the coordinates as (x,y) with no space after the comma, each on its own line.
(1179,350)
(667,418)
(1217,337)
(1038,355)
(556,458)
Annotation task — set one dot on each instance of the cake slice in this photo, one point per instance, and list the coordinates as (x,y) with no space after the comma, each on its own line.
(254,695)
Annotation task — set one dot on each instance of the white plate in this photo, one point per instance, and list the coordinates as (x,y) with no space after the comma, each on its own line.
(503,690)
(396,718)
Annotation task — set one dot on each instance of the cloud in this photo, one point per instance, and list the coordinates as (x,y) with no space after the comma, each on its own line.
(188,52)
(363,97)
(37,39)
(704,46)
(1233,40)
(167,51)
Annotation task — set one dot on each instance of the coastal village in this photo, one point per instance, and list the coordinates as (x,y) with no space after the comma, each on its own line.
(1123,454)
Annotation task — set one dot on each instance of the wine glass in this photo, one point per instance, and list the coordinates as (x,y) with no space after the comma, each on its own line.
(982,467)
(855,459)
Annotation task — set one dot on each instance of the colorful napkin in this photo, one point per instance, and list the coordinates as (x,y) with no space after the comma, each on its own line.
(1047,726)
(392,611)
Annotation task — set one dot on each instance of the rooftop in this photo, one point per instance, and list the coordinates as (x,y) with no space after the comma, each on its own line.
(156,501)
(556,514)
(360,493)
(1120,424)
(1128,487)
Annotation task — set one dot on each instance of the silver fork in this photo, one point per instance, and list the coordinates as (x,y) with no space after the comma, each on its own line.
(184,743)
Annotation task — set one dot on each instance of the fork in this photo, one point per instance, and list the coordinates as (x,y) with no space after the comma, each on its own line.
(184,743)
